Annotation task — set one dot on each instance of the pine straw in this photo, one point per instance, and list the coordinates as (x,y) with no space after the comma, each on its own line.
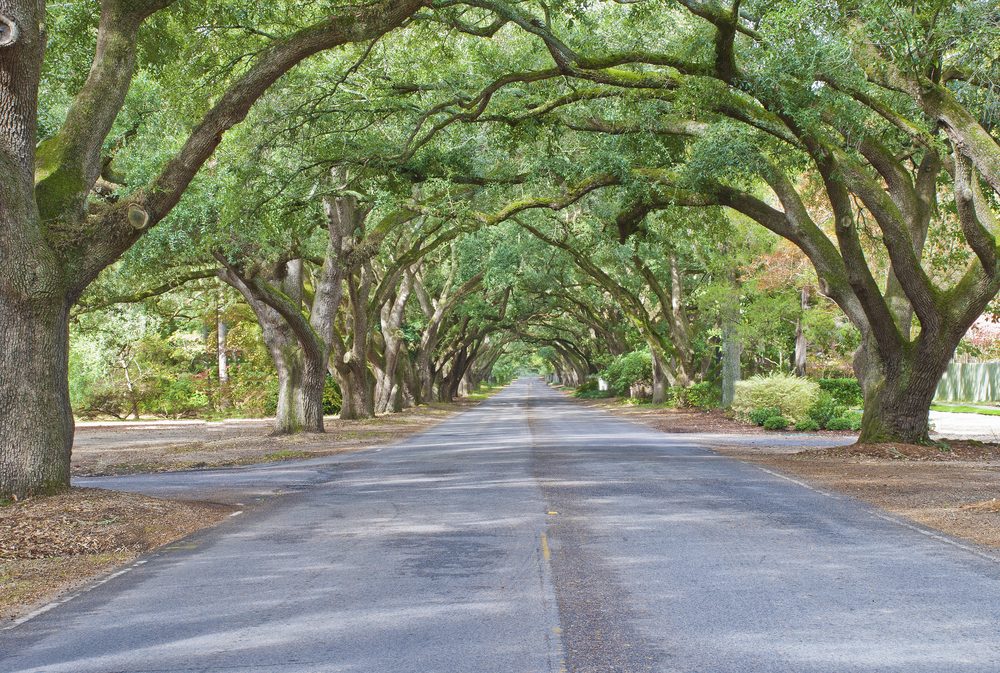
(94,521)
(991,506)
(48,545)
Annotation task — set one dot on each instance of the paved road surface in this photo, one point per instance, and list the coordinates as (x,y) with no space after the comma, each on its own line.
(530,535)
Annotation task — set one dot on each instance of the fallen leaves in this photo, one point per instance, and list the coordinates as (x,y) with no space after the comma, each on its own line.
(49,544)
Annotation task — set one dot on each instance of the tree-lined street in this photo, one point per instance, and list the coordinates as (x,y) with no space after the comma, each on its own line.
(529,534)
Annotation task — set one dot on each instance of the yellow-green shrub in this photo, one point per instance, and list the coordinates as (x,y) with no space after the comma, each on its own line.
(793,395)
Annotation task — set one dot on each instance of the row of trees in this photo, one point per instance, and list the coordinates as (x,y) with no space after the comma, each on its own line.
(643,146)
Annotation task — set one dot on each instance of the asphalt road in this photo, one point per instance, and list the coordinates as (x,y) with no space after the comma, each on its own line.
(529,535)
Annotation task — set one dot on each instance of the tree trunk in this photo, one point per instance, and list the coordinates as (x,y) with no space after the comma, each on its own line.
(36,422)
(357,392)
(660,382)
(732,350)
(300,393)
(301,379)
(347,397)
(222,344)
(898,395)
(410,388)
(425,376)
(387,384)
(801,345)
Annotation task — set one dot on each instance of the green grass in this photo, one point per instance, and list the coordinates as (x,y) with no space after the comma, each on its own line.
(961,409)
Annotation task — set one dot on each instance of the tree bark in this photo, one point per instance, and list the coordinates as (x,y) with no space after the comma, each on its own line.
(387,385)
(732,351)
(409,384)
(801,345)
(36,421)
(300,393)
(661,384)
(222,345)
(898,394)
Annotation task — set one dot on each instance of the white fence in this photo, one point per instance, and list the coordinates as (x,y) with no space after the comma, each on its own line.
(970,382)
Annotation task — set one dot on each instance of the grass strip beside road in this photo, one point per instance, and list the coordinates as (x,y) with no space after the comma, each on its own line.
(965,409)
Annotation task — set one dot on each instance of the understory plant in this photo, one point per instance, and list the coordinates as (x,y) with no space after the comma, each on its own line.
(792,396)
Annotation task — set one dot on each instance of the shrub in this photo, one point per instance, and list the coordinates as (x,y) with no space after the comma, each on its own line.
(759,416)
(839,424)
(846,391)
(855,419)
(588,386)
(704,395)
(792,395)
(808,425)
(592,394)
(103,400)
(177,398)
(825,408)
(628,370)
(776,423)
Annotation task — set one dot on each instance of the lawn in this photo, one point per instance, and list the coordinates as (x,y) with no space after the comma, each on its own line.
(965,409)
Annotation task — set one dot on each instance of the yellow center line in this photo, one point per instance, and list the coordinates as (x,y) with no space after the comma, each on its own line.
(546,552)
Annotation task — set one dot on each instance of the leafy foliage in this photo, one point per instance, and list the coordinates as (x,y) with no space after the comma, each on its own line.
(628,370)
(846,391)
(791,395)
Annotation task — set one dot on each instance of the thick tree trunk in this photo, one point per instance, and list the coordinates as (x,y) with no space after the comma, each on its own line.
(660,382)
(300,394)
(357,392)
(425,376)
(36,422)
(898,395)
(347,397)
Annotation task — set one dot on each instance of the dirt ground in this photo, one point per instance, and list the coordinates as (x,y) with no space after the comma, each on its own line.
(157,446)
(953,488)
(51,545)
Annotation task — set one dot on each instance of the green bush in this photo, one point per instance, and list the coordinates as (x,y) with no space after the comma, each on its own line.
(704,395)
(808,425)
(825,408)
(776,423)
(855,419)
(792,395)
(839,424)
(592,394)
(588,386)
(759,416)
(102,400)
(177,398)
(846,391)
(627,370)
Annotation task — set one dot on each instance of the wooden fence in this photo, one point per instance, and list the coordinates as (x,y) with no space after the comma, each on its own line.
(970,382)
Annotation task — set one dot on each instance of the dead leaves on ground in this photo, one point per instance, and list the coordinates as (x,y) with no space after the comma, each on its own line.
(93,521)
